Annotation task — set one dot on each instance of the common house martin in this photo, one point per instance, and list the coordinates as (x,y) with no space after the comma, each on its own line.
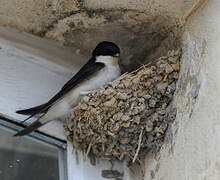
(100,69)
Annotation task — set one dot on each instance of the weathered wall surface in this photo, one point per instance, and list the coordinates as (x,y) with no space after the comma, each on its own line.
(192,151)
(43,15)
(143,29)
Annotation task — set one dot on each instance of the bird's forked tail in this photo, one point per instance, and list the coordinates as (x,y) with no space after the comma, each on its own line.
(35,125)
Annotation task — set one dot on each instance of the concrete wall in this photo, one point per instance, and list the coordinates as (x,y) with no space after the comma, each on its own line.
(143,29)
(192,149)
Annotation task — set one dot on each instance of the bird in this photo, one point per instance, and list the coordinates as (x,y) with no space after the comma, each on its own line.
(100,69)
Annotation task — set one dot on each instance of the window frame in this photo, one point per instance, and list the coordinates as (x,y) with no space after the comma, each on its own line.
(8,124)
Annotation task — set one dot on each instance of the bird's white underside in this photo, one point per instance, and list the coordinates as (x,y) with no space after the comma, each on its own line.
(62,108)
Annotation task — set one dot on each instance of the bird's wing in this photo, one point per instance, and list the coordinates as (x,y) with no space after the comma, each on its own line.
(85,72)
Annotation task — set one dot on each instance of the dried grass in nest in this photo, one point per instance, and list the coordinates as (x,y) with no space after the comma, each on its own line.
(129,116)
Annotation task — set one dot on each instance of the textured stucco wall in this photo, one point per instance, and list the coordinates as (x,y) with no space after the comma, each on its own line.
(192,151)
(144,29)
(42,15)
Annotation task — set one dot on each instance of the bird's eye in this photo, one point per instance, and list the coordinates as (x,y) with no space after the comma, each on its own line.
(116,55)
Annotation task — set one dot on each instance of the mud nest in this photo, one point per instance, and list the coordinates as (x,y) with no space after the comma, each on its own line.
(129,116)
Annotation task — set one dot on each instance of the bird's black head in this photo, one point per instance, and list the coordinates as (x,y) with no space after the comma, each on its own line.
(106,48)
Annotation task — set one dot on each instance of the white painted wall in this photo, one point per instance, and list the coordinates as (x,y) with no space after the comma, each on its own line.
(83,170)
(28,77)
